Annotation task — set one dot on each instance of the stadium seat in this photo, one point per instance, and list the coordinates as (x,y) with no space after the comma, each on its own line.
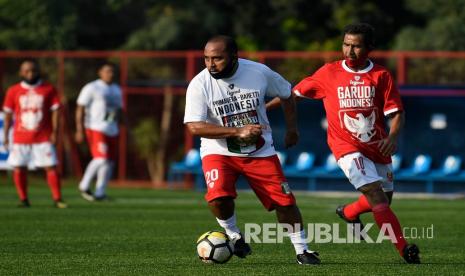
(450,166)
(302,165)
(396,162)
(282,156)
(190,164)
(420,166)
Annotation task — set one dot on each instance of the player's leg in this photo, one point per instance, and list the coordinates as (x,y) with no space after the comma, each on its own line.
(44,156)
(108,152)
(266,178)
(18,158)
(220,177)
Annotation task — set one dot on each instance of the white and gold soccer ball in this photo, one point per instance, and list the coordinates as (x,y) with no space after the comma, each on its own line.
(214,247)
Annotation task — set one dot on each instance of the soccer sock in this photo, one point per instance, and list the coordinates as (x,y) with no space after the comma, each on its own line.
(103,176)
(356,208)
(384,215)
(53,180)
(230,226)
(298,239)
(89,174)
(20,179)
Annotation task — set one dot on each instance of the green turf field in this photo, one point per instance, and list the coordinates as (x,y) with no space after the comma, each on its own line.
(145,232)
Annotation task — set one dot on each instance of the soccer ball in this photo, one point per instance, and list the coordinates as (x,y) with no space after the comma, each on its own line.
(214,247)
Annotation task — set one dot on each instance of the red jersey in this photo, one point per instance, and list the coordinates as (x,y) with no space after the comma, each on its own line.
(355,103)
(32,107)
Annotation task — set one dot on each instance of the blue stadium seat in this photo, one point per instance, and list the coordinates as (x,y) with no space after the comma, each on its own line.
(450,166)
(396,162)
(302,165)
(329,169)
(420,167)
(282,156)
(190,164)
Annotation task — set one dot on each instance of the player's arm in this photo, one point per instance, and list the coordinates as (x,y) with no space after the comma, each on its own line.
(79,136)
(388,146)
(276,102)
(55,122)
(212,131)
(290,116)
(7,119)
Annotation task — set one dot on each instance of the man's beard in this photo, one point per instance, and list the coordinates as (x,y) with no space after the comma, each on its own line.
(32,81)
(227,72)
(357,63)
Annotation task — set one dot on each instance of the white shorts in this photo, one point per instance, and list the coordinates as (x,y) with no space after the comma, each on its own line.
(36,155)
(361,171)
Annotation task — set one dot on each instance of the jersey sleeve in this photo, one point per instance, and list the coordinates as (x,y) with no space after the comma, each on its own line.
(85,96)
(9,103)
(196,103)
(55,100)
(392,100)
(312,87)
(277,85)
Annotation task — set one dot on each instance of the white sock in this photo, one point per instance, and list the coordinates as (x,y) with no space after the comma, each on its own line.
(103,176)
(230,227)
(90,173)
(298,240)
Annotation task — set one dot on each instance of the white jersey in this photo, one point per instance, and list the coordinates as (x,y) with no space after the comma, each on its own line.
(235,102)
(101,102)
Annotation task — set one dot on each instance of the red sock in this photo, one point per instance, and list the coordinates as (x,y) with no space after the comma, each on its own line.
(54,183)
(384,215)
(354,209)
(20,179)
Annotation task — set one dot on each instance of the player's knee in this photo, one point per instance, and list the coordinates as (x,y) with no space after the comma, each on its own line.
(221,202)
(374,192)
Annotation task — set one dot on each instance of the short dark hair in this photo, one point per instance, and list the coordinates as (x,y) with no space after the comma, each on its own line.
(229,42)
(364,29)
(106,63)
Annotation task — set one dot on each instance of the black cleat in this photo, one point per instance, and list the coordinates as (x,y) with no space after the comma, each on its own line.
(101,198)
(24,204)
(241,248)
(308,258)
(411,254)
(87,195)
(340,213)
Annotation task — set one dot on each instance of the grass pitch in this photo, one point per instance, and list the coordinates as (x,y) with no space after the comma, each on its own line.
(146,232)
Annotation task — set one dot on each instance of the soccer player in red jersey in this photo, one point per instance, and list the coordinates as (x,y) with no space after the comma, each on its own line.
(357,96)
(34,104)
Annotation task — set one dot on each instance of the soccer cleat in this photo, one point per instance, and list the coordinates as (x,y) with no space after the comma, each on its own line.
(60,204)
(411,254)
(101,198)
(241,248)
(340,213)
(87,195)
(24,204)
(308,258)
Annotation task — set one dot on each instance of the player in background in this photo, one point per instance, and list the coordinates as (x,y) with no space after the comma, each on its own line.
(98,115)
(225,106)
(34,103)
(357,95)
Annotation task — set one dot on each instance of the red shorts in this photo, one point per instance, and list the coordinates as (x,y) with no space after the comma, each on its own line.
(101,145)
(264,175)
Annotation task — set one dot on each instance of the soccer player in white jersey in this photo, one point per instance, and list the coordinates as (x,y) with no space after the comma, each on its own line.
(225,106)
(98,114)
(357,95)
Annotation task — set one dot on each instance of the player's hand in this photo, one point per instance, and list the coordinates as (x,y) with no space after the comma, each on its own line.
(292,138)
(249,134)
(79,137)
(387,146)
